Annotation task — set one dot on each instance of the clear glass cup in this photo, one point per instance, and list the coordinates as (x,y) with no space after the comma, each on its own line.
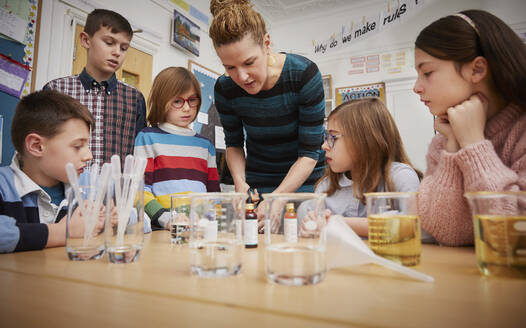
(216,233)
(499,222)
(180,219)
(295,238)
(394,226)
(125,223)
(85,225)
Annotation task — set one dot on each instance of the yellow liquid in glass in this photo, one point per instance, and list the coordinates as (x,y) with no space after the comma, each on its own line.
(500,243)
(396,238)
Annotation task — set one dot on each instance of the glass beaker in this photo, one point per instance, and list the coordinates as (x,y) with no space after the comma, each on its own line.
(499,222)
(394,226)
(216,233)
(295,238)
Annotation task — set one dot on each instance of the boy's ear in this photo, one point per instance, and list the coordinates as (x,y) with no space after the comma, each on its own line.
(85,40)
(479,69)
(34,144)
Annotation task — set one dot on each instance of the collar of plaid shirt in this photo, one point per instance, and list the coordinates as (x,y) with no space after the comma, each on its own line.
(88,82)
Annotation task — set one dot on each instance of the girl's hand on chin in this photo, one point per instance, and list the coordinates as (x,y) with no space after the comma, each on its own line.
(468,120)
(443,127)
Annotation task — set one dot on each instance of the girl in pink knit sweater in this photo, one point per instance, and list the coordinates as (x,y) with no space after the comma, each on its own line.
(472,76)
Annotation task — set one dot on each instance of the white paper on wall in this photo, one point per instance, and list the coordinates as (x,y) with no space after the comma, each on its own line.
(220,138)
(202,118)
(12,25)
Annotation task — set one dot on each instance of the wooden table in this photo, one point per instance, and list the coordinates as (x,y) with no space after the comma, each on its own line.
(44,288)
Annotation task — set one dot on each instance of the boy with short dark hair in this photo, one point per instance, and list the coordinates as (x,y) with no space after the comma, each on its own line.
(118,108)
(49,130)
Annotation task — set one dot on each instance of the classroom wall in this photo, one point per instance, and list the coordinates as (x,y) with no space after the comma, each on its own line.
(56,44)
(412,117)
(152,16)
(297,33)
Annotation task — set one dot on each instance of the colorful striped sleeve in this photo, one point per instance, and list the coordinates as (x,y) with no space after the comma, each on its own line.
(152,207)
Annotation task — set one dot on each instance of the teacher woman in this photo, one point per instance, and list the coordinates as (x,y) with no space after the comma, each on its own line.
(273,102)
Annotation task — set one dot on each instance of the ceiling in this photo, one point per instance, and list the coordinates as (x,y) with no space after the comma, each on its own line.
(279,11)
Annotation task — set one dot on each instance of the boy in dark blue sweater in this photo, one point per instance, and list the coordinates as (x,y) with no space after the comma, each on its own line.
(49,129)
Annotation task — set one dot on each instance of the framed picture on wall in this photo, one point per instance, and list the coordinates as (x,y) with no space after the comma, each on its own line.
(185,33)
(327,86)
(344,94)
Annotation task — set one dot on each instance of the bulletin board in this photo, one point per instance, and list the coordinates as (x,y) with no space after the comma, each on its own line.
(207,120)
(360,91)
(19,29)
(208,123)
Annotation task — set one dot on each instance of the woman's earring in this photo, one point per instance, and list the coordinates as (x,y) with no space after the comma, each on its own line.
(226,74)
(270,60)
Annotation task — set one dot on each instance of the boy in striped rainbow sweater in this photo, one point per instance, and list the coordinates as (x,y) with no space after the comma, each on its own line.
(179,160)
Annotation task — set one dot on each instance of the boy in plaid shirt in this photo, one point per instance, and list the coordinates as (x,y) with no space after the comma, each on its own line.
(118,108)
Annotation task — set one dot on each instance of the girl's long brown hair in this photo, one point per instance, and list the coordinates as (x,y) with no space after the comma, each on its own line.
(371,135)
(453,38)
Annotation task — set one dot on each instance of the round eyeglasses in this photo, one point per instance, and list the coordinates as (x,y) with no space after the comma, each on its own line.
(330,138)
(178,103)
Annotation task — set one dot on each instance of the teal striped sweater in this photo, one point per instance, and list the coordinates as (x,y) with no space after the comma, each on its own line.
(278,125)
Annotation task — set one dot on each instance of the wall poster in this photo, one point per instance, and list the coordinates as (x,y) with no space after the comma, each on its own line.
(344,94)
